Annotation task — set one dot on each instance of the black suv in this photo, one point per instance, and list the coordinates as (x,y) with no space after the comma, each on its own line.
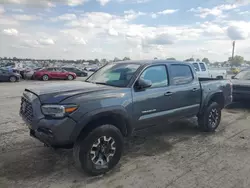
(77,71)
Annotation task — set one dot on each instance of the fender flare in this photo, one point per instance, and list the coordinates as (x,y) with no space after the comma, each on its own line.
(208,99)
(102,112)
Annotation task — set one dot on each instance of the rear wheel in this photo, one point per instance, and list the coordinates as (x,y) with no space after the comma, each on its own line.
(99,151)
(45,77)
(12,79)
(70,77)
(210,119)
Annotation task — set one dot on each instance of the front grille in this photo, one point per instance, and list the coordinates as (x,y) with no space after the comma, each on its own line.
(26,110)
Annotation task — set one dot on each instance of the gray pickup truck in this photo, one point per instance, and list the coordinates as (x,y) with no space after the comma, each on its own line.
(120,98)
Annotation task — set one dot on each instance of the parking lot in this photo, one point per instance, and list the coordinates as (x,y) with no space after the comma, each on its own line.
(172,156)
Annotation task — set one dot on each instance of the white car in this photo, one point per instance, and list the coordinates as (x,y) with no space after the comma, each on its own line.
(28,74)
(202,71)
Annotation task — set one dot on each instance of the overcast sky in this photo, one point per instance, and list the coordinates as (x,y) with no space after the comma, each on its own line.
(140,29)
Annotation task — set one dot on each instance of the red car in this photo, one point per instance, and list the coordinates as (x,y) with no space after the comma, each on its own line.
(53,73)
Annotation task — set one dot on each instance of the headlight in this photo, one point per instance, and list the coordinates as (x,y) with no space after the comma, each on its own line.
(58,110)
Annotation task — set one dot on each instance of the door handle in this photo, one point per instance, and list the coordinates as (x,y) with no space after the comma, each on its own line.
(195,89)
(168,93)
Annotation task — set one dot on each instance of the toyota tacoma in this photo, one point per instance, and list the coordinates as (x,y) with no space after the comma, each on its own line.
(94,116)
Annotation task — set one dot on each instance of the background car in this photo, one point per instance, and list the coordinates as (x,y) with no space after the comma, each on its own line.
(77,71)
(241,86)
(6,75)
(91,69)
(29,73)
(235,70)
(54,73)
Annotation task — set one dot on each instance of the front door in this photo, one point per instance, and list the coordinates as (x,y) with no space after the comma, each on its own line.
(151,106)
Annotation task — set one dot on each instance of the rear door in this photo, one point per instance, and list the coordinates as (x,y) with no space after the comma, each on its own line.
(60,73)
(52,73)
(185,89)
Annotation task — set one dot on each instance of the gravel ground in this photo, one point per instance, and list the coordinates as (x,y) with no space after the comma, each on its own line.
(171,156)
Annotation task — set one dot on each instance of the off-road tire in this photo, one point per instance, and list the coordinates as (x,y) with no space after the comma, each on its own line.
(83,145)
(203,119)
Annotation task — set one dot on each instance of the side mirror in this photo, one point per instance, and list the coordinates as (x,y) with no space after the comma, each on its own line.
(232,77)
(143,84)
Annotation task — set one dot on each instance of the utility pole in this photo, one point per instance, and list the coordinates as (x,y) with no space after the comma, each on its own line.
(233,50)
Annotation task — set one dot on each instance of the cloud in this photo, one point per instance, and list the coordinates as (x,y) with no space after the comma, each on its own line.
(1,10)
(79,40)
(37,3)
(112,32)
(10,32)
(244,13)
(103,2)
(17,10)
(46,41)
(215,11)
(25,17)
(237,33)
(131,14)
(168,11)
(134,1)
(45,3)
(161,39)
(75,2)
(212,30)
(153,15)
(65,17)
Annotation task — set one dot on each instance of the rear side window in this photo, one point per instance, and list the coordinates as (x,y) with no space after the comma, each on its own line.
(203,67)
(50,69)
(196,67)
(181,74)
(157,75)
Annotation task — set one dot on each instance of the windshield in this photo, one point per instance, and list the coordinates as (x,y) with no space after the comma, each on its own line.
(243,75)
(118,74)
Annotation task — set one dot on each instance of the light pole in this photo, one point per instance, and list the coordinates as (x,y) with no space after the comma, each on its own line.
(233,50)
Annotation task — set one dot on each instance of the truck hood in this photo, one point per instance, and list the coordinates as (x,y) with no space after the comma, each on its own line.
(55,93)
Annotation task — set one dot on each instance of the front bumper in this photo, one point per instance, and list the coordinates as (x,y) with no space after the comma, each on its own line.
(52,132)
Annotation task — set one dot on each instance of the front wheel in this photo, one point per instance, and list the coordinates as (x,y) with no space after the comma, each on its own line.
(45,77)
(70,77)
(100,151)
(210,119)
(13,79)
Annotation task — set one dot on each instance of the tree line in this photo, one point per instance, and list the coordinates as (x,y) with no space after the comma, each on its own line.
(236,61)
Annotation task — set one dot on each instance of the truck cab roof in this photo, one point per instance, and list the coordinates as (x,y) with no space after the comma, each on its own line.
(149,62)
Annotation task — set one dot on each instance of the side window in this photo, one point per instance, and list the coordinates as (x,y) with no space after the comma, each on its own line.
(181,74)
(58,70)
(196,67)
(157,75)
(203,67)
(50,69)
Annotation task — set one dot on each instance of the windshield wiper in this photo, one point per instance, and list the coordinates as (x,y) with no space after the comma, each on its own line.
(101,83)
